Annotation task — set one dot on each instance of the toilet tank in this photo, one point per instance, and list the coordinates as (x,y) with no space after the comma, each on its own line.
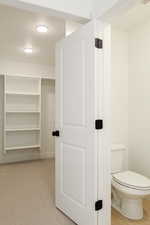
(119,158)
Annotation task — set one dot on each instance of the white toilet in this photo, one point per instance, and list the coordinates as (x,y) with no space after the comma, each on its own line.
(128,188)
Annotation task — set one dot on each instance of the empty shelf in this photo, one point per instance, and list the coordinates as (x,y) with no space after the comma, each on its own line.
(22,111)
(22,147)
(22,93)
(49,78)
(22,129)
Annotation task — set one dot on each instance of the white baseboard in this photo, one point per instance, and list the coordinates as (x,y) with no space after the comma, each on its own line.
(20,157)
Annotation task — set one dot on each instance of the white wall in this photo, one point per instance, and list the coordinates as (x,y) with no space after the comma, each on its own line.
(139,99)
(108,10)
(11,67)
(131,94)
(119,86)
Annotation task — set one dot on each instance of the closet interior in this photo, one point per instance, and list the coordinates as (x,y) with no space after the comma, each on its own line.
(27,83)
(27,114)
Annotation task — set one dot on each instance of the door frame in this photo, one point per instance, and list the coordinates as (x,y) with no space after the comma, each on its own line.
(104,170)
(121,7)
(103,96)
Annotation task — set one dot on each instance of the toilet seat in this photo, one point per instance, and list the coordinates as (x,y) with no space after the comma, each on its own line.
(132,180)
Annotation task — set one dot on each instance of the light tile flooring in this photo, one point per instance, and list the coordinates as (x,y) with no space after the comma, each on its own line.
(118,219)
(27,197)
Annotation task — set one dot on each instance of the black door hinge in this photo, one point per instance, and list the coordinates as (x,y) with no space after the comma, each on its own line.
(98,43)
(98,205)
(98,124)
(55,133)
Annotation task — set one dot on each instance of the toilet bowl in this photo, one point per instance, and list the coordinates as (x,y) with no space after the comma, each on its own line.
(128,191)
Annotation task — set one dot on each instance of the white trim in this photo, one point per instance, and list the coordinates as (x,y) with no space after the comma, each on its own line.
(14,158)
(40,104)
(4,116)
(107,123)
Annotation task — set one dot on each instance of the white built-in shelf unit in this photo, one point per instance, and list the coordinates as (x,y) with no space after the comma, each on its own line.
(22,113)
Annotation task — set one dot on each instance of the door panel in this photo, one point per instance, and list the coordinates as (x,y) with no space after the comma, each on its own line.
(72,156)
(74,85)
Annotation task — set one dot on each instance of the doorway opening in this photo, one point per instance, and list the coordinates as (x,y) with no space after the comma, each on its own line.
(130,120)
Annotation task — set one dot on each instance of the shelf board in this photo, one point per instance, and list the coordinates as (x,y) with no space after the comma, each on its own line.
(48,78)
(24,129)
(21,147)
(22,93)
(22,76)
(30,77)
(22,111)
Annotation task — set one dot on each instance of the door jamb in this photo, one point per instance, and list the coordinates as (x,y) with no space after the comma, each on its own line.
(103,94)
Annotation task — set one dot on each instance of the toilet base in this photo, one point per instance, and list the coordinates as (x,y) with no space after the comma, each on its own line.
(130,208)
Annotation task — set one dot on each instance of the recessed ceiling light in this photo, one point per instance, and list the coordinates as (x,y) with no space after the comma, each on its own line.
(42,29)
(28,50)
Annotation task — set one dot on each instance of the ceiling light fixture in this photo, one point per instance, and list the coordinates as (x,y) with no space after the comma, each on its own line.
(28,50)
(42,29)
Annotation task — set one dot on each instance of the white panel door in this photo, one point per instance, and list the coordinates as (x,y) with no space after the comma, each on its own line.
(76,111)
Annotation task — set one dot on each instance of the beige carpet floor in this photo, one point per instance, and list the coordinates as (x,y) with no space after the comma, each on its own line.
(118,219)
(27,195)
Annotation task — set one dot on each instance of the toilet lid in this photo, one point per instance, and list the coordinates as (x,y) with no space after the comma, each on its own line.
(132,179)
